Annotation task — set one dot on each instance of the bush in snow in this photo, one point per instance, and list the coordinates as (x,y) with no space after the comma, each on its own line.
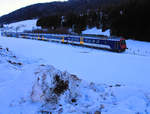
(50,84)
(7,56)
(62,92)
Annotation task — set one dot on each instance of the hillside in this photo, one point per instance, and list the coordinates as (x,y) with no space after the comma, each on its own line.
(125,18)
(32,12)
(21,26)
(53,8)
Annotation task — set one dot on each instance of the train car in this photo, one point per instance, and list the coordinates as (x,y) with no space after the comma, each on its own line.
(114,44)
(110,43)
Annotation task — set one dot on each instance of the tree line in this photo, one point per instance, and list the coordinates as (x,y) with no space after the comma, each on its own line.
(126,18)
(129,19)
(77,22)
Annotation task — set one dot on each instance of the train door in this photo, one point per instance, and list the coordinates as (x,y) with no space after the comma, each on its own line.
(116,46)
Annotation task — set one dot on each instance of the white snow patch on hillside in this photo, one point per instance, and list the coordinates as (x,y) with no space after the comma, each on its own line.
(21,26)
(96,31)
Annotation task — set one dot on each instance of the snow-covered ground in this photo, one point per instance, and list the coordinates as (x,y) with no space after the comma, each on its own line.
(138,48)
(89,64)
(27,86)
(22,26)
(108,82)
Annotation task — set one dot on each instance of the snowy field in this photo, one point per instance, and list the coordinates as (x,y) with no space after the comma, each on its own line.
(89,80)
(89,64)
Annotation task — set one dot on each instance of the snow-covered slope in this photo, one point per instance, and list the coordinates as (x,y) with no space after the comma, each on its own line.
(21,26)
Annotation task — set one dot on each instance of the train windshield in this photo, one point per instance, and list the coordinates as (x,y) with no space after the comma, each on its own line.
(123,42)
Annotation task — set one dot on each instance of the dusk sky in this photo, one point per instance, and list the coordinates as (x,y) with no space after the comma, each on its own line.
(8,6)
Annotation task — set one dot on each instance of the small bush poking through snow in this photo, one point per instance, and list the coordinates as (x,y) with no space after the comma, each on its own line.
(14,63)
(58,90)
(61,85)
(7,56)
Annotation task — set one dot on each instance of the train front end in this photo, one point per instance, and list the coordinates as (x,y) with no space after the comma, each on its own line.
(123,44)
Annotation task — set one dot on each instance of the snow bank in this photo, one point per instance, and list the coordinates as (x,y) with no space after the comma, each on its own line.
(96,31)
(22,26)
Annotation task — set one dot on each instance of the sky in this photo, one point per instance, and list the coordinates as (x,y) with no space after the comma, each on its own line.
(8,6)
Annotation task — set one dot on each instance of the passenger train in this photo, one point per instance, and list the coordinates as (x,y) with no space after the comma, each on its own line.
(109,43)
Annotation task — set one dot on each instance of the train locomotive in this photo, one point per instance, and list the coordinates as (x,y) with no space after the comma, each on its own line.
(109,43)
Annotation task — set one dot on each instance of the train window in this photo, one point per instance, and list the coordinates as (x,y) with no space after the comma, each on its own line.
(123,42)
(97,41)
(85,40)
(88,41)
(93,41)
(100,41)
(116,45)
(77,39)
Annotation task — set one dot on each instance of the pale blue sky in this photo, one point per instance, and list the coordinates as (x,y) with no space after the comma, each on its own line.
(7,6)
